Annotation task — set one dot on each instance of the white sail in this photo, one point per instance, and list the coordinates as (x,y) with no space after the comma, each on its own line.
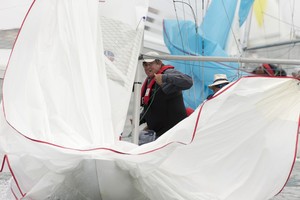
(41,73)
(122,42)
(274,29)
(65,96)
(68,88)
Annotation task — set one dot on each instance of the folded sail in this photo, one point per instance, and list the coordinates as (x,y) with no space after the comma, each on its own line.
(65,93)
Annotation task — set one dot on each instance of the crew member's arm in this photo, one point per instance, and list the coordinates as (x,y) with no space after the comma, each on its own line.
(173,80)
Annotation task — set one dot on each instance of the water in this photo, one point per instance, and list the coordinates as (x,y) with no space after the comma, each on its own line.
(292,188)
(4,185)
(290,192)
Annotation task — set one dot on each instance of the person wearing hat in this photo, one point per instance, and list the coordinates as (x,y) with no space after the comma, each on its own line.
(220,80)
(161,94)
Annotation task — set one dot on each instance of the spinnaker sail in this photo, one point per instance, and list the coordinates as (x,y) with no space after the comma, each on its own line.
(65,96)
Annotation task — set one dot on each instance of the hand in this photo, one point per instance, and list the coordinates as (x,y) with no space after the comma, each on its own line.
(158,79)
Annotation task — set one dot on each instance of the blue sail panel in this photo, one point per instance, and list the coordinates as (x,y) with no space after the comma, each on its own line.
(245,7)
(217,21)
(197,45)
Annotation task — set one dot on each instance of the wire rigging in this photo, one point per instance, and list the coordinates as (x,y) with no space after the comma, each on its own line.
(186,63)
(195,19)
(178,25)
(202,53)
(230,25)
(280,21)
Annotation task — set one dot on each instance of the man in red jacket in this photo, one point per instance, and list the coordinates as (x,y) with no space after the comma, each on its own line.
(162,98)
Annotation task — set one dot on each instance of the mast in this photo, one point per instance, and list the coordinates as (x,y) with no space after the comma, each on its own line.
(136,106)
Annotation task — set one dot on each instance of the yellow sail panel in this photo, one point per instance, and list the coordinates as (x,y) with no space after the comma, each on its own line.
(259,7)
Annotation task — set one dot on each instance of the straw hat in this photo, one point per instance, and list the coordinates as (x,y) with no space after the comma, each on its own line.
(151,53)
(219,79)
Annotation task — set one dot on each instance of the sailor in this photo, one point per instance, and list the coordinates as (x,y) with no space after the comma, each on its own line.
(296,74)
(161,94)
(269,70)
(220,80)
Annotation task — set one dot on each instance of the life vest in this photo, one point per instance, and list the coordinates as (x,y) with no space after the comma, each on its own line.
(269,70)
(147,88)
(189,111)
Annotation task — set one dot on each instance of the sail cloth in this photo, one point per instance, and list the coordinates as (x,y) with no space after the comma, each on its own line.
(271,32)
(245,7)
(56,123)
(60,43)
(122,42)
(225,150)
(184,37)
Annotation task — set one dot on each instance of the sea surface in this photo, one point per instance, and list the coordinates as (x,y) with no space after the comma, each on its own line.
(292,189)
(290,192)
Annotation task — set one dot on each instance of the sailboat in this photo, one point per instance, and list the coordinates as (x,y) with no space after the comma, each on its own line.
(66,92)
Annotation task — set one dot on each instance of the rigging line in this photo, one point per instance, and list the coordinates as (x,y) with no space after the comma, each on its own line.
(142,19)
(182,43)
(212,67)
(184,18)
(278,47)
(202,53)
(197,38)
(196,16)
(202,17)
(183,11)
(264,28)
(292,18)
(292,31)
(293,25)
(187,36)
(195,19)
(282,54)
(288,52)
(183,8)
(191,6)
(232,68)
(232,32)
(187,13)
(207,66)
(234,36)
(148,106)
(144,112)
(279,20)
(178,26)
(202,75)
(196,6)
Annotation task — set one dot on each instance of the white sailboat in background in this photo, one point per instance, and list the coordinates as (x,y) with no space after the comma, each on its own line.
(274,30)
(65,104)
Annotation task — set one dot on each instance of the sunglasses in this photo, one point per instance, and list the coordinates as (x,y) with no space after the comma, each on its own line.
(221,85)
